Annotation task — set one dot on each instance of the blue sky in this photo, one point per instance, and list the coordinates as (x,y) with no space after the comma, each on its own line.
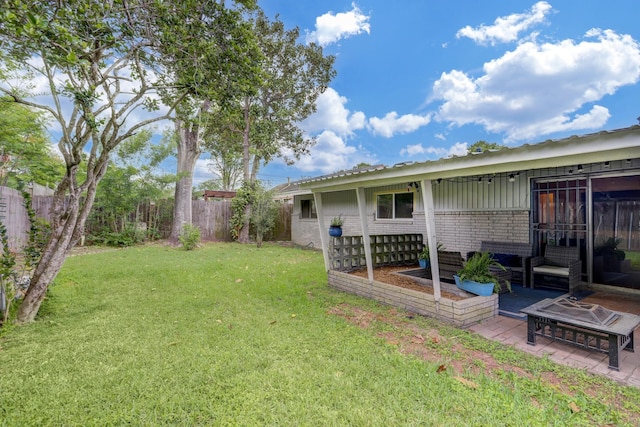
(421,80)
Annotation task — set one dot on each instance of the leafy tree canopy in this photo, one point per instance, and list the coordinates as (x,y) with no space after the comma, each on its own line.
(25,150)
(482,146)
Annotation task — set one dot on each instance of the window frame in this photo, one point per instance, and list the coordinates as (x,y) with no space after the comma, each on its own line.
(313,213)
(393,205)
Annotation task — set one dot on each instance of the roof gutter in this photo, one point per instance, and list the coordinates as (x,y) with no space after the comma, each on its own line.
(615,145)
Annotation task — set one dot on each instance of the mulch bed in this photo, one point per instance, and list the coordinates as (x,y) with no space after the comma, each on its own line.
(386,275)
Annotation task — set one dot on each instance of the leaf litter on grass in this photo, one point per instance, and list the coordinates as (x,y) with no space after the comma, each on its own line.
(449,354)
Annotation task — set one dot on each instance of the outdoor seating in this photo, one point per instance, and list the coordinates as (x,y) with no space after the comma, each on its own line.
(515,257)
(450,263)
(559,268)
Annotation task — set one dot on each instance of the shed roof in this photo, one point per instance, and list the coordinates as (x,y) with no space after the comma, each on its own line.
(218,194)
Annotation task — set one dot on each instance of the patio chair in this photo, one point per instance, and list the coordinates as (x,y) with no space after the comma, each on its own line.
(559,268)
(514,256)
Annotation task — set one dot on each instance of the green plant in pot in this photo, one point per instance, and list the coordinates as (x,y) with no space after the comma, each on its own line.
(424,256)
(476,276)
(335,227)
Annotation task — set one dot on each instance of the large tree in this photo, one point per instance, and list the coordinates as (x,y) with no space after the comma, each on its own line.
(214,54)
(267,119)
(101,64)
(225,148)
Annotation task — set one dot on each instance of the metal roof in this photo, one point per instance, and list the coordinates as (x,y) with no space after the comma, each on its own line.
(602,146)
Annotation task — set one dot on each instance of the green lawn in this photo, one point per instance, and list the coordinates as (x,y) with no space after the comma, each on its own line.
(234,335)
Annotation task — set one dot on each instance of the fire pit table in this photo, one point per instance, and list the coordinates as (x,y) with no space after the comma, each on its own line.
(585,325)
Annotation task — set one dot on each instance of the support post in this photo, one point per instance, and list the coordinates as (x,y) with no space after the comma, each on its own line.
(317,198)
(427,201)
(364,226)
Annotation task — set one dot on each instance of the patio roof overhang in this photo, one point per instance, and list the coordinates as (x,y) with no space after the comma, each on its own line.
(592,148)
(603,146)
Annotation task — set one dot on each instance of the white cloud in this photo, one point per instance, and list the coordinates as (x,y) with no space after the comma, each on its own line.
(331,114)
(457,149)
(541,88)
(332,154)
(507,28)
(594,119)
(391,124)
(330,28)
(201,171)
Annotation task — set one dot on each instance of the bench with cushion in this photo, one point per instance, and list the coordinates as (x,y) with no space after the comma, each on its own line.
(559,268)
(513,256)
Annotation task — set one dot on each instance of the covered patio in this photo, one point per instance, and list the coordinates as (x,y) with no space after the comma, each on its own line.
(556,193)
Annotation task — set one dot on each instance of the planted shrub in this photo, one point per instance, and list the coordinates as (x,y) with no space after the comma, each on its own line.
(129,236)
(189,236)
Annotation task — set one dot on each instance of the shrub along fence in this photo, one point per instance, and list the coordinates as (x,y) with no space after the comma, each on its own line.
(212,217)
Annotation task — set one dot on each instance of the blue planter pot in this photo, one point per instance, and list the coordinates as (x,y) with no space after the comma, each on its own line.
(423,263)
(481,289)
(335,231)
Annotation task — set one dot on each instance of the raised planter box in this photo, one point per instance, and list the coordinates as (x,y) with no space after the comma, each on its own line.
(461,313)
(476,288)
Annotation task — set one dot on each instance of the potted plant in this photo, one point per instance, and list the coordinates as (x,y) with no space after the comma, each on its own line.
(335,228)
(424,257)
(476,276)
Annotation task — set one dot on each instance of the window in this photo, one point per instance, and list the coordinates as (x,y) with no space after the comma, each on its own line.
(394,205)
(308,209)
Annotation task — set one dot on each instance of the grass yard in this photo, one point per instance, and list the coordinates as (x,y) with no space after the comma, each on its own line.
(235,335)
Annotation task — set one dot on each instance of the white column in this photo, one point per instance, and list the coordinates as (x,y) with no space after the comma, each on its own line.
(364,226)
(317,198)
(427,201)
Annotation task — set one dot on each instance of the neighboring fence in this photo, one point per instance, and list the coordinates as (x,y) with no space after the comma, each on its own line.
(212,217)
(14,216)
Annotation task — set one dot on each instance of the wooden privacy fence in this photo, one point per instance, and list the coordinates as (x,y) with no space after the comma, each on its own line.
(214,220)
(14,216)
(212,217)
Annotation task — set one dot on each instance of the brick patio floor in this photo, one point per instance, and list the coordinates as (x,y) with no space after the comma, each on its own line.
(513,332)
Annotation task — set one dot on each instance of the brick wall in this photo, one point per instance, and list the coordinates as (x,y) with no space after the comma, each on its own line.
(459,313)
(463,231)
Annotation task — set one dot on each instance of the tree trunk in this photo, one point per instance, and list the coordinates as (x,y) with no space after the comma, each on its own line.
(71,207)
(188,153)
(243,235)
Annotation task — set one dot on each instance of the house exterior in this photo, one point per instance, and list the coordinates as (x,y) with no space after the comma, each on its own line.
(579,191)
